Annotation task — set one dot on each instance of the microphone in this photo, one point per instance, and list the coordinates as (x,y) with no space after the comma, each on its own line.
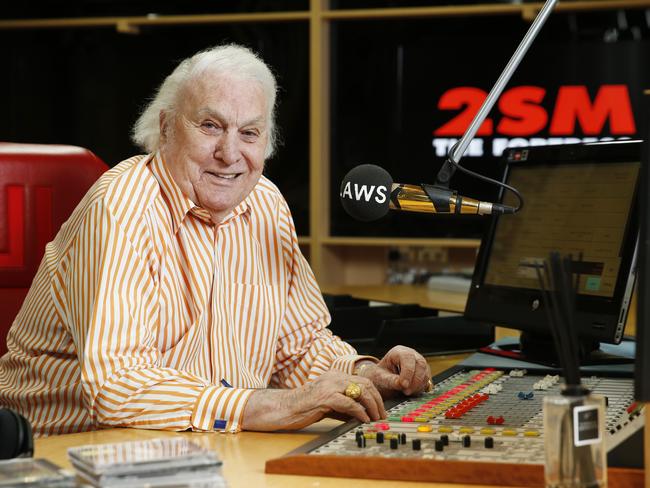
(368,193)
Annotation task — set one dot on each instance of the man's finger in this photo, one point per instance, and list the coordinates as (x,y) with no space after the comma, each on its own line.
(386,380)
(420,377)
(378,401)
(342,404)
(369,402)
(370,398)
(406,370)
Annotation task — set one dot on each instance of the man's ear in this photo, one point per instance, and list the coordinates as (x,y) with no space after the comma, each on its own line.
(163,122)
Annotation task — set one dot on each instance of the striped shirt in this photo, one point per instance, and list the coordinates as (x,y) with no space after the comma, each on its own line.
(145,314)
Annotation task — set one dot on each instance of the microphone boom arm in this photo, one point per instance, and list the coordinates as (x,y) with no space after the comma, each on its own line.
(458,150)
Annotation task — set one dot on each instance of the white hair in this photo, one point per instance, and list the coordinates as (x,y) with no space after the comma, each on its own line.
(231,60)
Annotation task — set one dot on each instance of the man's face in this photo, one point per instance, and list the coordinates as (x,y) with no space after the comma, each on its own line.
(214,146)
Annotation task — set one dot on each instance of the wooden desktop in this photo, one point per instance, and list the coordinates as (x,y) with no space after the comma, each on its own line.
(245,454)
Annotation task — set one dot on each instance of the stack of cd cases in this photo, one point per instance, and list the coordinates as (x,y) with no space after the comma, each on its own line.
(34,473)
(166,462)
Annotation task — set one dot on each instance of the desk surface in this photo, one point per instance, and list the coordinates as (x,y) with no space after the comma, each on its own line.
(244,455)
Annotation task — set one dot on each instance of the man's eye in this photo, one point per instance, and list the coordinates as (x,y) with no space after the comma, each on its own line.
(250,134)
(209,125)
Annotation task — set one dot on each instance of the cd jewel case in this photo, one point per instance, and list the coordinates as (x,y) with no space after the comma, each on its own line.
(166,462)
(28,472)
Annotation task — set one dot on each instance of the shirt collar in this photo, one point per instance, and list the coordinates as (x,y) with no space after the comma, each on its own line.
(179,204)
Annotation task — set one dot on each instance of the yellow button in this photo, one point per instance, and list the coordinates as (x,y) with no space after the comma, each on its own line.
(420,419)
(445,430)
(531,433)
(466,430)
(370,435)
(487,431)
(509,432)
(390,436)
(424,428)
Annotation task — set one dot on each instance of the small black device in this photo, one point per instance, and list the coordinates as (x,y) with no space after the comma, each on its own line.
(16,435)
(580,200)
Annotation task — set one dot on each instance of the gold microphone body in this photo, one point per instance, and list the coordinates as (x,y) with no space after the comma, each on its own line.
(433,199)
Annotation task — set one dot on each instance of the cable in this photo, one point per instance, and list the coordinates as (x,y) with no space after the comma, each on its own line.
(488,180)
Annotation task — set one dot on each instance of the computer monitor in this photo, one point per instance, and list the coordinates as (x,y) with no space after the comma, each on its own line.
(642,364)
(580,200)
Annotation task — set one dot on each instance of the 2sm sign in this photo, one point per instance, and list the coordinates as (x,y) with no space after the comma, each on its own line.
(534,115)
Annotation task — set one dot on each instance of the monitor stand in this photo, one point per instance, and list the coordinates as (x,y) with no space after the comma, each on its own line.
(540,349)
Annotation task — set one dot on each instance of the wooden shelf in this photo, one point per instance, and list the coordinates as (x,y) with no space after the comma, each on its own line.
(153,20)
(322,13)
(401,241)
(527,10)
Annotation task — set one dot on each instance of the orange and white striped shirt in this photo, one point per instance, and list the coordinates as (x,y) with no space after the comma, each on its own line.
(145,314)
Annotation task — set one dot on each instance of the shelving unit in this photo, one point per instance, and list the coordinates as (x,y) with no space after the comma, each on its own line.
(340,262)
(336,261)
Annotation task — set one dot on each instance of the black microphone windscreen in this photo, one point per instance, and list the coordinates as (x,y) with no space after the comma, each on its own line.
(365,192)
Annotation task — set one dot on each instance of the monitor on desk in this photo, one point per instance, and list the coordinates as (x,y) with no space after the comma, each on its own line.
(642,364)
(579,200)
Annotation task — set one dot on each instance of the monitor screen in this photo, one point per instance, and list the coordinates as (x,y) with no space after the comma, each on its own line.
(579,200)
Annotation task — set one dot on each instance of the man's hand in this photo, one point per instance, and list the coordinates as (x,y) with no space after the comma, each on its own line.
(402,369)
(294,409)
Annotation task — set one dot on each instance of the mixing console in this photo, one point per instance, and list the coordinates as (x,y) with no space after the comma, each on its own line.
(477,415)
(487,415)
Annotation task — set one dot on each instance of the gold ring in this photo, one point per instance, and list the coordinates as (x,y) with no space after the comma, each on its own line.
(429,386)
(353,390)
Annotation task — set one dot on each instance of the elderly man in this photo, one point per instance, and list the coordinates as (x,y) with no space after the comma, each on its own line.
(176,297)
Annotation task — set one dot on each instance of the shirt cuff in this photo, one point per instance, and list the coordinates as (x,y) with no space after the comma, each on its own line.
(220,408)
(347,363)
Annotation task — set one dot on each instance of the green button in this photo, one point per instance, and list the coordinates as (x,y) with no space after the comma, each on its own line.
(592,283)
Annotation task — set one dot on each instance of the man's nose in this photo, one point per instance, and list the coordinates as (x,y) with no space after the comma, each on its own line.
(227,149)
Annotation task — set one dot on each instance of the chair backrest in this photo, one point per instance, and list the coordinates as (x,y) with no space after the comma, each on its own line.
(40,185)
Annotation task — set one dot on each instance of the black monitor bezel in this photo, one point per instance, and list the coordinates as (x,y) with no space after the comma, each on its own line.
(598,318)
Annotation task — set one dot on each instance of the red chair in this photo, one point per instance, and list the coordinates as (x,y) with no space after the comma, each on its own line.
(40,185)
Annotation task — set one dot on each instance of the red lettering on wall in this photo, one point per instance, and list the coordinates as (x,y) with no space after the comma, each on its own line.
(15,219)
(469,99)
(573,105)
(522,114)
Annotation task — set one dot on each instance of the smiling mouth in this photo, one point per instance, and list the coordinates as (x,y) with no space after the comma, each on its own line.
(225,176)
